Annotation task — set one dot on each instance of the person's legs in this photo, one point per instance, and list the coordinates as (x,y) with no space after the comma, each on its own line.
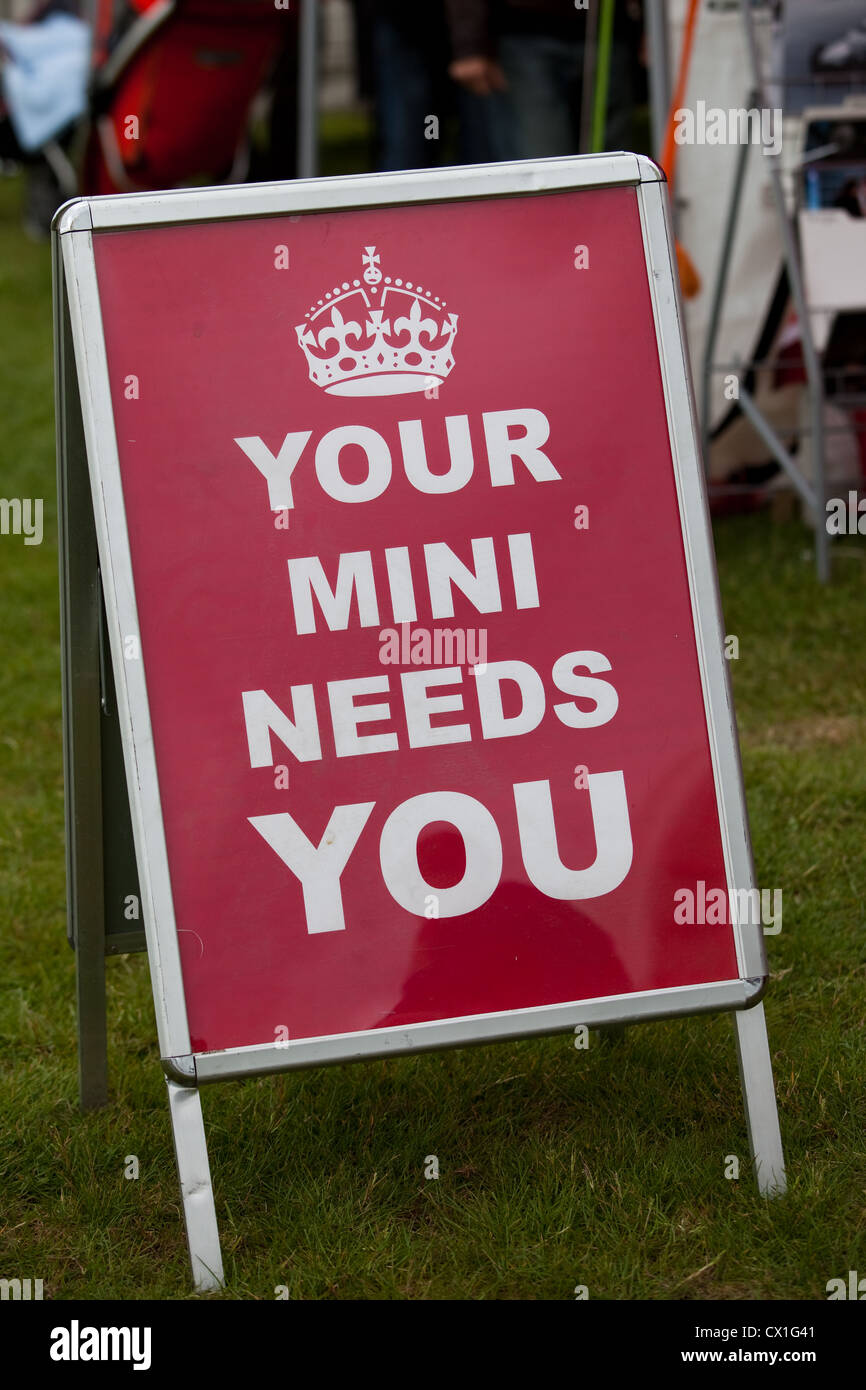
(405,97)
(541,72)
(620,100)
(486,127)
(545,84)
(280,160)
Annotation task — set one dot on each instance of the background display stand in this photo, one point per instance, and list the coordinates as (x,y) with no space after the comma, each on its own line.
(753,1053)
(659,73)
(812,490)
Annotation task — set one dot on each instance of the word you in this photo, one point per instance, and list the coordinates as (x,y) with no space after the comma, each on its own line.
(319,867)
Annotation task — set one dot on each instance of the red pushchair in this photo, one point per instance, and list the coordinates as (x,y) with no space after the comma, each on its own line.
(173,85)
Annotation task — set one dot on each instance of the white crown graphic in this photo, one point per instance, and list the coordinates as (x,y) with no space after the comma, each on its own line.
(380,338)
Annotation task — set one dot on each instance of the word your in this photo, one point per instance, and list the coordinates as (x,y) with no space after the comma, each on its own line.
(847,520)
(502,449)
(22,516)
(737,126)
(75,1343)
(716,907)
(17,1289)
(444,646)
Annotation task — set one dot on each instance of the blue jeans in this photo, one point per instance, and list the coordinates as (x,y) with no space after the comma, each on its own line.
(412,84)
(545,82)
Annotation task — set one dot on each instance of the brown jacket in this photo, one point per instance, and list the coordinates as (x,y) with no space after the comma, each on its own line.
(475,25)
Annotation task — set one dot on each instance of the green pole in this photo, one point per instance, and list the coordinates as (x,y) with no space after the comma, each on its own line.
(602,75)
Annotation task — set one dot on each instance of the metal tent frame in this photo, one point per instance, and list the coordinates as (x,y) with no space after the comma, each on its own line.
(811,491)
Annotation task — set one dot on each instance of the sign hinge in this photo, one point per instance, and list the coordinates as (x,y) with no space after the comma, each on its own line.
(181,1069)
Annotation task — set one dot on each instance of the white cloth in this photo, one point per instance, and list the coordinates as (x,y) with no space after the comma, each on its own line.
(44,70)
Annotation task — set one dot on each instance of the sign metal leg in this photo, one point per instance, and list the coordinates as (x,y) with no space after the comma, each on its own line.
(82,746)
(92,1036)
(759,1099)
(199,1212)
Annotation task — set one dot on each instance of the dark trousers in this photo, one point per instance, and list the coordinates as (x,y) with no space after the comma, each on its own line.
(414,98)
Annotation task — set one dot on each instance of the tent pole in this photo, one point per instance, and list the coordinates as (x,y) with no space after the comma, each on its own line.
(589,79)
(308,90)
(798,295)
(659,69)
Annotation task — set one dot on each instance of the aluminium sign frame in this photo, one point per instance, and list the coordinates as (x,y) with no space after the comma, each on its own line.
(75,227)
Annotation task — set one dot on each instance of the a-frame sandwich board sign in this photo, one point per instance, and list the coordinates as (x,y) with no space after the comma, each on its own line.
(413,620)
(103,898)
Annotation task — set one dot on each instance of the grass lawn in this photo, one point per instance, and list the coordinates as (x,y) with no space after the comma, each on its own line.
(558,1167)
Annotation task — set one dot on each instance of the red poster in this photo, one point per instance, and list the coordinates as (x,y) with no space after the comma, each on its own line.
(414,611)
